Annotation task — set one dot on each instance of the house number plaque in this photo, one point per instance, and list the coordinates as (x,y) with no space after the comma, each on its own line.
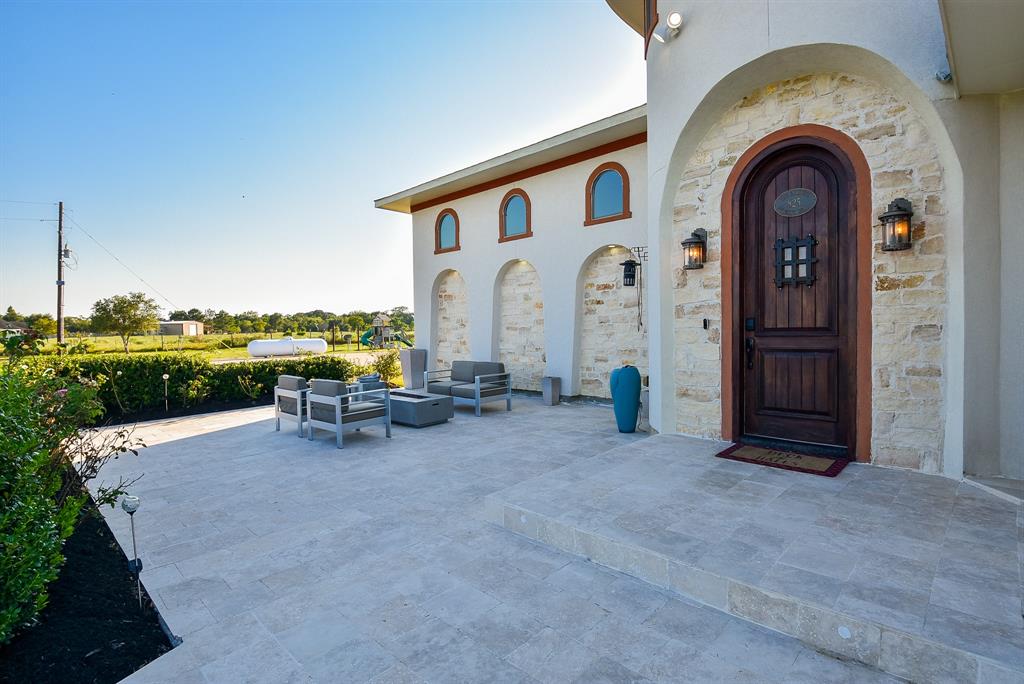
(795,202)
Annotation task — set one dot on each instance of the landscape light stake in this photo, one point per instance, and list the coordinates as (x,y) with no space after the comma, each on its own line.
(130,504)
(166,376)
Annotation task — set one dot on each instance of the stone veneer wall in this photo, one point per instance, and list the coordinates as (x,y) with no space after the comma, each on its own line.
(909,290)
(608,335)
(521,326)
(452,320)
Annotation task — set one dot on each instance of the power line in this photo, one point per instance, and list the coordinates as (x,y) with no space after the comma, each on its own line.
(24,218)
(126,266)
(45,204)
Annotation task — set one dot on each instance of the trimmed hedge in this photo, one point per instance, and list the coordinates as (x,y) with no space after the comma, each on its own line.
(129,384)
(36,416)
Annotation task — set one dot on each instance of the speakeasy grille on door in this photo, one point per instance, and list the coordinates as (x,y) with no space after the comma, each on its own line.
(794,261)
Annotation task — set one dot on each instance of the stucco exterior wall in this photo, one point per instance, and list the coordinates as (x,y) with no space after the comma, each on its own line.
(451,306)
(909,288)
(521,326)
(609,334)
(1011,356)
(559,247)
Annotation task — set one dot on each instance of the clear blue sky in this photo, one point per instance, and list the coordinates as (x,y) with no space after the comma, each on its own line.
(230,152)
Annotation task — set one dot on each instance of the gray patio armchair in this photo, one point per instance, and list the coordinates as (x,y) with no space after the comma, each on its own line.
(333,405)
(476,381)
(371,381)
(290,401)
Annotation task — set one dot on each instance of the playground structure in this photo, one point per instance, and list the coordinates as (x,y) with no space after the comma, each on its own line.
(381,335)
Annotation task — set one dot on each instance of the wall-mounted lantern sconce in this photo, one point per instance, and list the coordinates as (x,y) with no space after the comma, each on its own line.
(629,267)
(896,226)
(695,249)
(670,30)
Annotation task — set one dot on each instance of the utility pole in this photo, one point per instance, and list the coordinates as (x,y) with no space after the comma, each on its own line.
(60,273)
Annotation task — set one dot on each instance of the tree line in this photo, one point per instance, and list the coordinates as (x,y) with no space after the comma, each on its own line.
(136,314)
(317,320)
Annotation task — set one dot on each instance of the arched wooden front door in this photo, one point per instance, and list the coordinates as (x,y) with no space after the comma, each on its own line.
(795,365)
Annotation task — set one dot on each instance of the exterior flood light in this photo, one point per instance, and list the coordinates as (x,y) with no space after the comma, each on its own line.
(896,226)
(670,30)
(695,250)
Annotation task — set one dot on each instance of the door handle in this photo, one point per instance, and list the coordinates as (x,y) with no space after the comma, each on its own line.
(750,353)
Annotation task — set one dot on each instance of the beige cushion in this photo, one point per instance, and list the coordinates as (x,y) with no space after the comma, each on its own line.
(487,389)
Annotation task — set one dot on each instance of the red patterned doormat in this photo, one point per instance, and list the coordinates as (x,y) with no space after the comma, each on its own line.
(787,460)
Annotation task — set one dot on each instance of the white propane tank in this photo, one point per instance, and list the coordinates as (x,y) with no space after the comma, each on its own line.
(286,346)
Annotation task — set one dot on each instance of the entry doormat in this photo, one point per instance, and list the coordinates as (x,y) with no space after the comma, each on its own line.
(787,460)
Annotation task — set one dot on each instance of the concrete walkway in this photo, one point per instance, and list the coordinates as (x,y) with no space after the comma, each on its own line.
(280,560)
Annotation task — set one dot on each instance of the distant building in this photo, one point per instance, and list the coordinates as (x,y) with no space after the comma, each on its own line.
(185,328)
(10,329)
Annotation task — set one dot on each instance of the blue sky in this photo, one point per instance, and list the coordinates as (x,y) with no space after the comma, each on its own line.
(230,152)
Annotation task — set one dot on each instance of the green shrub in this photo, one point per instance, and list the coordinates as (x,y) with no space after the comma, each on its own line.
(387,364)
(45,460)
(30,536)
(194,391)
(131,383)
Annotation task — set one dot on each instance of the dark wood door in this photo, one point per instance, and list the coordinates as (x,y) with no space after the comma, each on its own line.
(797,314)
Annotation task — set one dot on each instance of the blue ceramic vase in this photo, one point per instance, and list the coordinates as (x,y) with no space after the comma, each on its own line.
(625,383)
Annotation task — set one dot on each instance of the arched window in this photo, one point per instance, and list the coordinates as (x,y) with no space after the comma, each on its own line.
(607,194)
(446,232)
(514,216)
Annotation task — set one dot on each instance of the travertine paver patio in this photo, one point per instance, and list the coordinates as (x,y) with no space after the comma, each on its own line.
(922,571)
(281,560)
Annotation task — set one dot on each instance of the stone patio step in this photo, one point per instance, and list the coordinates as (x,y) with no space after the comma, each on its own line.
(877,642)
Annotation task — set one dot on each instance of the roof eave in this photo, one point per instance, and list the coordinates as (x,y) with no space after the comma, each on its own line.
(565,144)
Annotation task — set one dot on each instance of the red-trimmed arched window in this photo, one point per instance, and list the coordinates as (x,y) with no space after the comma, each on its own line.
(514,221)
(607,194)
(446,232)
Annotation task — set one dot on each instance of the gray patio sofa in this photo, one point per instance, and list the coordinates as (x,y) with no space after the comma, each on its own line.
(290,401)
(333,405)
(476,381)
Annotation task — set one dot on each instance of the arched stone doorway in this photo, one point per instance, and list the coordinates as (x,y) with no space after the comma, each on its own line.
(901,420)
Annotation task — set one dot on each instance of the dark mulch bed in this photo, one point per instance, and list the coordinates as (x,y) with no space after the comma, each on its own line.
(92,629)
(181,411)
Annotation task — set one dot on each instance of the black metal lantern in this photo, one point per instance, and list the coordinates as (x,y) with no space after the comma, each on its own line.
(695,249)
(896,226)
(629,268)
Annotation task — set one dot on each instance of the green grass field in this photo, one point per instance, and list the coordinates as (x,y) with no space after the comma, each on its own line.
(213,346)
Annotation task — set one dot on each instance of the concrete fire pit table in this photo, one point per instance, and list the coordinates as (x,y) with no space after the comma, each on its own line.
(420,409)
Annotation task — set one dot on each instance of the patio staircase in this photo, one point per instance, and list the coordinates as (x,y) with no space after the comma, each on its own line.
(875,641)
